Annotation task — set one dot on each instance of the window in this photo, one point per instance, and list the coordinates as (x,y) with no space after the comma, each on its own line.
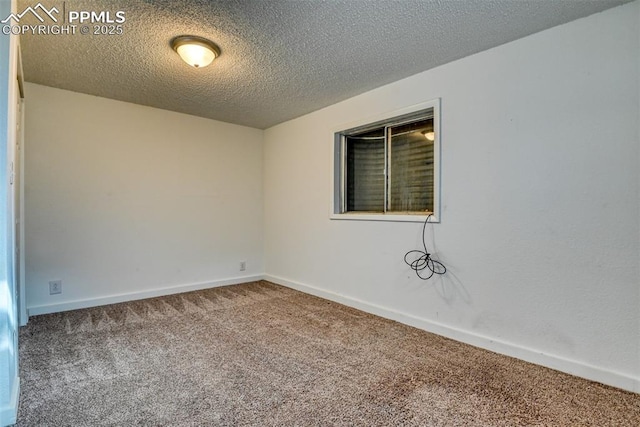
(389,169)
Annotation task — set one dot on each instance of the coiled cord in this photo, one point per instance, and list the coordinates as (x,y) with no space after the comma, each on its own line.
(422,259)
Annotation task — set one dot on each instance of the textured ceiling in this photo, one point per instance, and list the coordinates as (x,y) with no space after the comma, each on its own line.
(280,58)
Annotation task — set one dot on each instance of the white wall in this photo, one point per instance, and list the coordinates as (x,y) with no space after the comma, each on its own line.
(125,201)
(540,203)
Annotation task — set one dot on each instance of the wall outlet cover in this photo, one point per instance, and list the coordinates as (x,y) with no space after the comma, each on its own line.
(55,287)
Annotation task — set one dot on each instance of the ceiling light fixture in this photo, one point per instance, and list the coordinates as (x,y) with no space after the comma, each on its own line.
(195,51)
(430,135)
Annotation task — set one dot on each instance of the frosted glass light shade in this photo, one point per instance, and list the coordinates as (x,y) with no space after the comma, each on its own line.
(429,135)
(195,51)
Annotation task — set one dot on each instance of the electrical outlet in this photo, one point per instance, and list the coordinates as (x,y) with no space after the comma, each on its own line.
(55,287)
(243,265)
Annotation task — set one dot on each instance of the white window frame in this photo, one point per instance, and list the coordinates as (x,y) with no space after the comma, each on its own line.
(338,159)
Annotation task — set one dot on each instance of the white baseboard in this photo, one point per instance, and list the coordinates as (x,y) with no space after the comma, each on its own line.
(9,412)
(132,296)
(559,363)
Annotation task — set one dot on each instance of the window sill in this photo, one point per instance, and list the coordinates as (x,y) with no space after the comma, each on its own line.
(407,217)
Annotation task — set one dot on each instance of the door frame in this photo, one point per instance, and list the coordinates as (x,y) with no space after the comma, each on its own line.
(23,315)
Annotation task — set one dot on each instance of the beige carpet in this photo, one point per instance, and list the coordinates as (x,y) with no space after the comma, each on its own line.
(262,355)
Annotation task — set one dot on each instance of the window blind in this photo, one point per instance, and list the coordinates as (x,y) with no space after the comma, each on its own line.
(390,168)
(365,174)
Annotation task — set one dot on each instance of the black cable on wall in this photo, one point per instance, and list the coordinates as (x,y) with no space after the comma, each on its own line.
(422,259)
